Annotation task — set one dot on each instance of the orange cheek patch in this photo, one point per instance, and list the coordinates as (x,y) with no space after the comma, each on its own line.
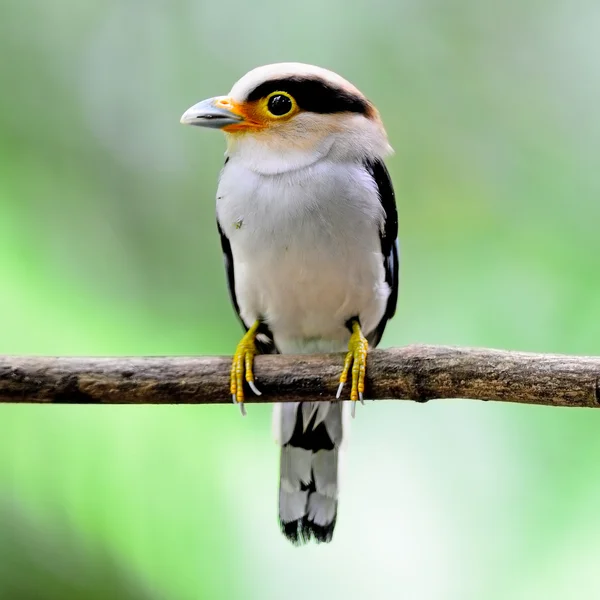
(253,120)
(242,127)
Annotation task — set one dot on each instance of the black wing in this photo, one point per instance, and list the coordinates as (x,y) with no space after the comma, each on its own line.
(389,242)
(265,345)
(229,269)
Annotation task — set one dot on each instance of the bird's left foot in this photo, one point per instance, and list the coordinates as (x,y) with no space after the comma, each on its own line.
(357,357)
(242,367)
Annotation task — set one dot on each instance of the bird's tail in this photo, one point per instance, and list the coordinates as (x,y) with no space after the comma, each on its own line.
(310,435)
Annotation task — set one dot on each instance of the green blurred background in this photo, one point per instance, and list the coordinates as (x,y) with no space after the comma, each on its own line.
(108,247)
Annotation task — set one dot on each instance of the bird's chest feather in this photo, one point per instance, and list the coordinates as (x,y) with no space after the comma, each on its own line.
(305,246)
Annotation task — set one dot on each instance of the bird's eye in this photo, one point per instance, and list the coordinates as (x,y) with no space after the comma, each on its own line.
(279,105)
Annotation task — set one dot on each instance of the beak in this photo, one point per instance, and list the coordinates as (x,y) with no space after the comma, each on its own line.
(215,113)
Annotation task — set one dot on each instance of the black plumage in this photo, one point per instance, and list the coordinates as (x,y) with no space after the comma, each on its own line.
(313,94)
(389,242)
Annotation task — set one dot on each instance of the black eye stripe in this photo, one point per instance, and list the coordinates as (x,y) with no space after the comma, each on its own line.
(314,95)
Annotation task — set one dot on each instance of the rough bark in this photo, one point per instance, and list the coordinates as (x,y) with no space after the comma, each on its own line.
(411,373)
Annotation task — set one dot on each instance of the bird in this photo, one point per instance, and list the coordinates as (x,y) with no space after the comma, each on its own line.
(308,224)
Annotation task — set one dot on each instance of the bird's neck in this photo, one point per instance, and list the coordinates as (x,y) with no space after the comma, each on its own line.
(272,159)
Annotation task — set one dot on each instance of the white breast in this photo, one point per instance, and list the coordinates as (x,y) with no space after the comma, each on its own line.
(306,251)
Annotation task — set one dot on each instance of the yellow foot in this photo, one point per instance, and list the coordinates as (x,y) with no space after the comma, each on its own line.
(243,361)
(357,357)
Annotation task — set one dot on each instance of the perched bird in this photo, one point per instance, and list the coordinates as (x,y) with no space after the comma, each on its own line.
(308,226)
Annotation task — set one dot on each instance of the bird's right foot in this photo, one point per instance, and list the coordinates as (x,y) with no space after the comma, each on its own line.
(357,358)
(242,367)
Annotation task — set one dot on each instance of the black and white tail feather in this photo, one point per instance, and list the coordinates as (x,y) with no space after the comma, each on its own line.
(310,435)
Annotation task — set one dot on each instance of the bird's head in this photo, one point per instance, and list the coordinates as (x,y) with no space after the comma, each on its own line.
(287,116)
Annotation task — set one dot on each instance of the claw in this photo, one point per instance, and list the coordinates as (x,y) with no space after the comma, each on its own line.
(242,367)
(241,403)
(254,388)
(357,358)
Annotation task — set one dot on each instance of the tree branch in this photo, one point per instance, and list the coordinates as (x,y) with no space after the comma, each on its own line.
(413,372)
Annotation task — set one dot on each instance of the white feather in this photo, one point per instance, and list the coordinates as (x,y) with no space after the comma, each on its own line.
(306,251)
(292,505)
(310,409)
(321,509)
(295,467)
(334,424)
(284,421)
(325,471)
